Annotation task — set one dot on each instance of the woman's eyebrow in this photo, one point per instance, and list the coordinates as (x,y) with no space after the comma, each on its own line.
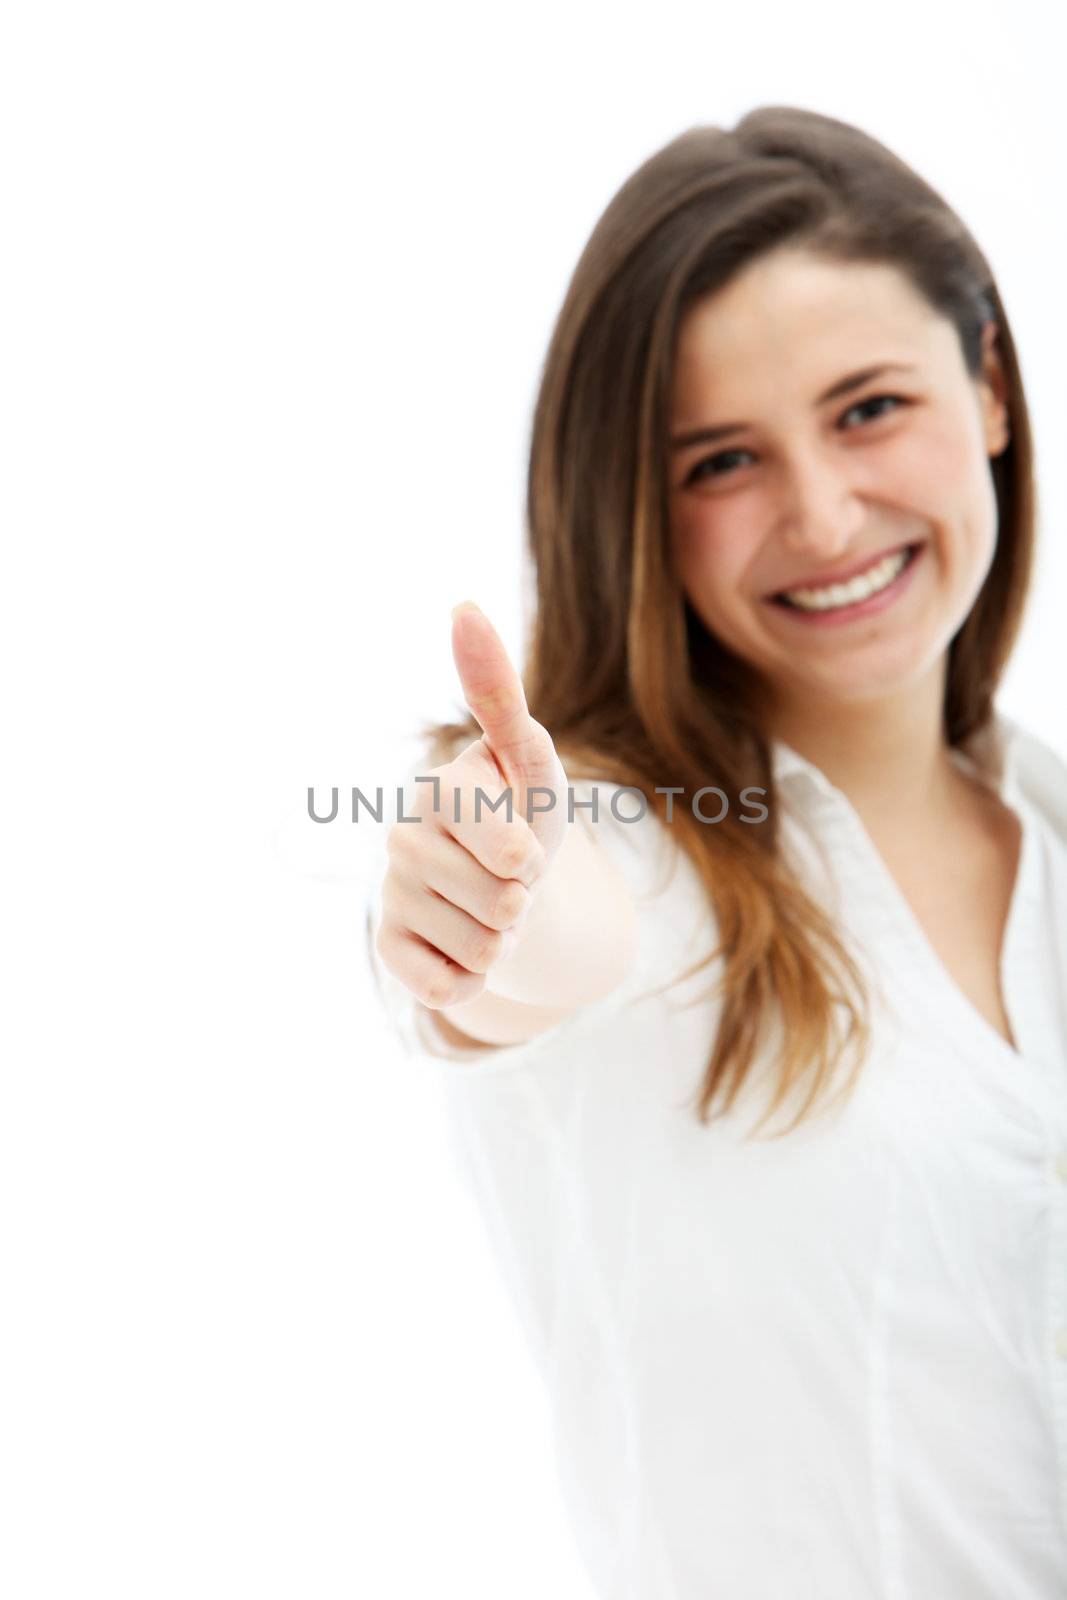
(683,441)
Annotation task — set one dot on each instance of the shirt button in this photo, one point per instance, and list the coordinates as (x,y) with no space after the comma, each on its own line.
(1061,1166)
(1061,1343)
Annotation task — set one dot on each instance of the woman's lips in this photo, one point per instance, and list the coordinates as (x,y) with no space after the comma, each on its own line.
(855,569)
(836,615)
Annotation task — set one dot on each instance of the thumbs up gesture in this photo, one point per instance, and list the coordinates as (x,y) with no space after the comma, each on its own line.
(460,881)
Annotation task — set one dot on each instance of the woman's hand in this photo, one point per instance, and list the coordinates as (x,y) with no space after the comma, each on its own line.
(460,883)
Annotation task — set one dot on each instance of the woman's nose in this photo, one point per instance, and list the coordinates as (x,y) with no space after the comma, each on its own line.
(822,513)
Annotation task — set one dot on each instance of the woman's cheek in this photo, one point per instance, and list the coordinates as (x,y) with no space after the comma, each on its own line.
(702,549)
(719,528)
(715,580)
(926,465)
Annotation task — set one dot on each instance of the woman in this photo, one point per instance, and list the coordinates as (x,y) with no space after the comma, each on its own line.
(781,511)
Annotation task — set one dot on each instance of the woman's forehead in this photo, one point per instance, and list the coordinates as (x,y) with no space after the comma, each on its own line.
(751,336)
(798,295)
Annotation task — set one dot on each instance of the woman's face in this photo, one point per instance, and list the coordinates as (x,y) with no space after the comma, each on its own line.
(804,489)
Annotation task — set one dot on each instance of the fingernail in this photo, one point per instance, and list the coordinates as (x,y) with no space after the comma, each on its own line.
(464,605)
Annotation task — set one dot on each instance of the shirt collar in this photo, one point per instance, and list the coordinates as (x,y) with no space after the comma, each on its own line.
(993,752)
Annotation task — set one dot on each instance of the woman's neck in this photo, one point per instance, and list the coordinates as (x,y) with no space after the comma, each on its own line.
(888,757)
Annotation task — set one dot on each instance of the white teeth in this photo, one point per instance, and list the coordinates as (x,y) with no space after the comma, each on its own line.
(847,594)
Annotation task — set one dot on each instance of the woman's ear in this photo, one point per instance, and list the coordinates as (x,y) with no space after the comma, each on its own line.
(993,384)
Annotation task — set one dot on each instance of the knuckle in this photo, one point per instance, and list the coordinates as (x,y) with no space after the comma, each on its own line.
(495,700)
(514,853)
(389,895)
(509,903)
(393,955)
(483,948)
(439,991)
(466,986)
(396,841)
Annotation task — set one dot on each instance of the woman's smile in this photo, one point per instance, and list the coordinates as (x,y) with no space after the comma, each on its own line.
(879,587)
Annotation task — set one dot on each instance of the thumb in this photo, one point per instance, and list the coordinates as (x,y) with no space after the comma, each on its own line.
(493,690)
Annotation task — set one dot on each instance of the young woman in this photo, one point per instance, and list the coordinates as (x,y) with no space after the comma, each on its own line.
(781,511)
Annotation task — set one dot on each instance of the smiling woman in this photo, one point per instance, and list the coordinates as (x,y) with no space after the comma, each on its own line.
(834,516)
(830,1362)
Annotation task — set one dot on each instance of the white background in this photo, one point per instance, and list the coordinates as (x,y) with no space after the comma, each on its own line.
(277,283)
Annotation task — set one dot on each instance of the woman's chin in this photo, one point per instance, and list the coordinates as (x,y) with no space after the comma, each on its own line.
(893,667)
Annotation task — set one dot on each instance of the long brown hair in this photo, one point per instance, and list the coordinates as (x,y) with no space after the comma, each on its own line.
(619,668)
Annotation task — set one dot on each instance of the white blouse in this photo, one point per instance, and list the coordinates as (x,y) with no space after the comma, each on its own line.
(828,1366)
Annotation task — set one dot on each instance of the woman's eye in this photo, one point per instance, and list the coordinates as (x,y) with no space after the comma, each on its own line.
(874,400)
(713,461)
(717,466)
